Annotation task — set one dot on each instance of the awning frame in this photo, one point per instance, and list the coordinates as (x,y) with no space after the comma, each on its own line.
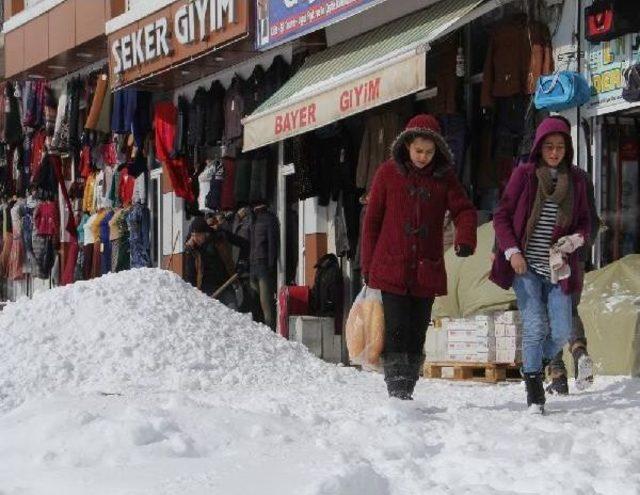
(391,58)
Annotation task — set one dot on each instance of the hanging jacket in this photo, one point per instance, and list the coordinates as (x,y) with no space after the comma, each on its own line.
(255,90)
(46,218)
(139,223)
(277,74)
(12,126)
(180,142)
(380,132)
(123,111)
(228,199)
(304,154)
(177,168)
(242,179)
(259,191)
(234,109)
(519,53)
(73,110)
(214,118)
(197,112)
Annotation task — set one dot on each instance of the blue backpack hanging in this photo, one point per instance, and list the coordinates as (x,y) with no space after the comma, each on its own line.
(561,91)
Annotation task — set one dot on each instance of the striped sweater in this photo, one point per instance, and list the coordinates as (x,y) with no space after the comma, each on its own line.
(537,251)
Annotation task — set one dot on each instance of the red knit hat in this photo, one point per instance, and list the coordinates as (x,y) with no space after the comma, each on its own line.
(424,121)
(426,126)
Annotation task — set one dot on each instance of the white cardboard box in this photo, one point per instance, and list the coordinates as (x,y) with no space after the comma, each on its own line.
(467,336)
(508,355)
(477,347)
(435,345)
(473,357)
(508,330)
(479,328)
(509,317)
(508,343)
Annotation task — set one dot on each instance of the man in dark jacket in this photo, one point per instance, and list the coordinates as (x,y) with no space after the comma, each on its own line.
(263,259)
(208,263)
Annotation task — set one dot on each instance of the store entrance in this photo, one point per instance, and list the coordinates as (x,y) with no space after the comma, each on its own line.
(620,187)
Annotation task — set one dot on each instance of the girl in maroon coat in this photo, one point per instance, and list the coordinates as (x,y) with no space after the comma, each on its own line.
(402,249)
(542,218)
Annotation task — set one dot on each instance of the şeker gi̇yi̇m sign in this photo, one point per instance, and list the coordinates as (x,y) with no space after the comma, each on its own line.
(183,29)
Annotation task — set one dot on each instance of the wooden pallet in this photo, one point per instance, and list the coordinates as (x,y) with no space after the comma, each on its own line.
(478,372)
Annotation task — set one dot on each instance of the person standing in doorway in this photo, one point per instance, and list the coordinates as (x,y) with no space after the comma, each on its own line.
(264,242)
(402,247)
(541,221)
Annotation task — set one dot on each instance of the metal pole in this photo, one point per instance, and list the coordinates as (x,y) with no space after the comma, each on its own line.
(282,216)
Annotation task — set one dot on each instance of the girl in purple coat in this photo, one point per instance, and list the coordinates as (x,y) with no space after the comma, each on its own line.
(541,220)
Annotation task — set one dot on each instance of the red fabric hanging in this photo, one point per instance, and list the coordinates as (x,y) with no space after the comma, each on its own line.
(177,168)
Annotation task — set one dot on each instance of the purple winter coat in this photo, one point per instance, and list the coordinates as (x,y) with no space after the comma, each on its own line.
(513,211)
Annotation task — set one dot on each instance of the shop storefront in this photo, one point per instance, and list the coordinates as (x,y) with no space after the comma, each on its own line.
(336,118)
(198,65)
(51,76)
(612,122)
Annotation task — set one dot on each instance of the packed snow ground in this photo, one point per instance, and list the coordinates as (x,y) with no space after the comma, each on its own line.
(137,384)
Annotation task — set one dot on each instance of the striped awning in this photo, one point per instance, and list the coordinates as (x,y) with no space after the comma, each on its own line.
(369,70)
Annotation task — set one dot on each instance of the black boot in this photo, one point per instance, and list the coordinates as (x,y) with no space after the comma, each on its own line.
(398,376)
(559,384)
(535,392)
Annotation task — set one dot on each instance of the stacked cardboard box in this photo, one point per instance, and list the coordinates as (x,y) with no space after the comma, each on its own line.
(435,345)
(508,331)
(493,338)
(471,339)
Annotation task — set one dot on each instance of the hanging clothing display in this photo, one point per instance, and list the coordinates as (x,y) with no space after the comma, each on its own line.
(234,109)
(177,168)
(138,222)
(380,132)
(214,118)
(17,254)
(204,180)
(519,53)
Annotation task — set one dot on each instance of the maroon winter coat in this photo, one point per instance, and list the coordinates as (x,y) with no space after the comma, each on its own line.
(402,248)
(511,216)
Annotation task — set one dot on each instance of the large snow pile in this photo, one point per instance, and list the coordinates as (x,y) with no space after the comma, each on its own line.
(140,329)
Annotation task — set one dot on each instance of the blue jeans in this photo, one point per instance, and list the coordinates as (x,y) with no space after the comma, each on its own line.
(546,318)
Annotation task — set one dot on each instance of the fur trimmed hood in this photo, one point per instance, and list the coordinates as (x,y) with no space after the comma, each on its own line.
(425,126)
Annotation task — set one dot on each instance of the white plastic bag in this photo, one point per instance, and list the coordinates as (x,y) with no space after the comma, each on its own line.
(365,329)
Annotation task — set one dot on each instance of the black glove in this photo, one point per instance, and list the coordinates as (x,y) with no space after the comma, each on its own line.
(464,250)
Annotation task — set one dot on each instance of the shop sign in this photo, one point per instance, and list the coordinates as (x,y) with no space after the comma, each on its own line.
(280,21)
(606,63)
(332,104)
(187,26)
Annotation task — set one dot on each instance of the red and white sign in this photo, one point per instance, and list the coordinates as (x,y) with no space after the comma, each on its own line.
(332,104)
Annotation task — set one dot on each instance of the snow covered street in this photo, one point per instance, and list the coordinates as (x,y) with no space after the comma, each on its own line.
(151,400)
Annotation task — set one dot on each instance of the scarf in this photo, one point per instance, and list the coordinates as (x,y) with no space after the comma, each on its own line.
(561,193)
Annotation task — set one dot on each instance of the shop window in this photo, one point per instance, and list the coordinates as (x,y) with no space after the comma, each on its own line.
(620,189)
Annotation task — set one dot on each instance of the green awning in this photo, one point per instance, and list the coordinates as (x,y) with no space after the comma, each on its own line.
(351,62)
